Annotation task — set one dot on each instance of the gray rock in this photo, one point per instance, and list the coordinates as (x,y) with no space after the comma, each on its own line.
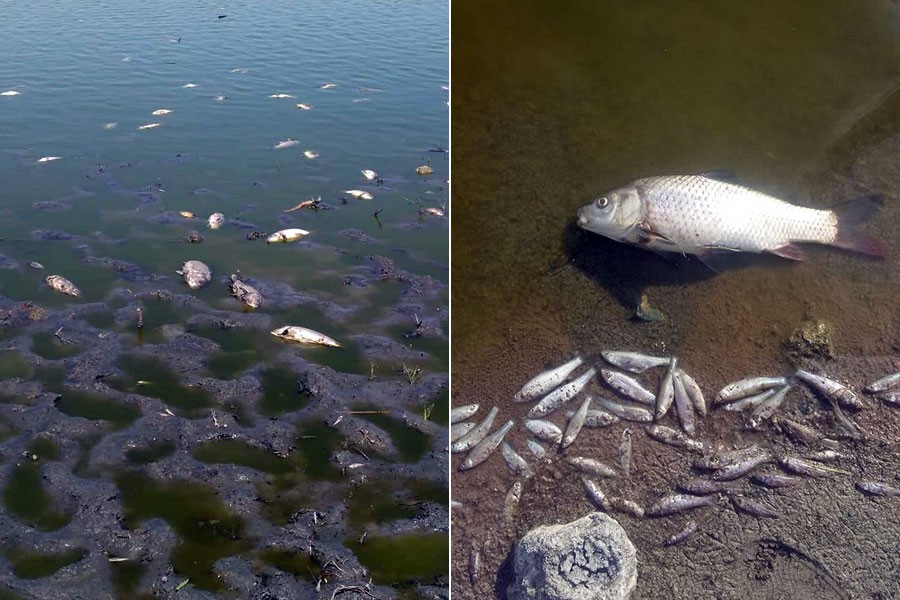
(588,559)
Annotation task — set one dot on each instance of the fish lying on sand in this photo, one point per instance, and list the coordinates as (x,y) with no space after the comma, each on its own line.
(359,194)
(546,381)
(245,292)
(285,144)
(286,235)
(161,112)
(215,220)
(302,335)
(61,284)
(698,214)
(196,274)
(46,159)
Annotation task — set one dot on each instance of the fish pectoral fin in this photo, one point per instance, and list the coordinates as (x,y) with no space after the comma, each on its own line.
(647,235)
(789,251)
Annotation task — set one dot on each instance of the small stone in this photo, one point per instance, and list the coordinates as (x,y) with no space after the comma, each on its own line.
(588,559)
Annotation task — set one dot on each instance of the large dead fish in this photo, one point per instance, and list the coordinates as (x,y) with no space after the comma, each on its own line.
(303,335)
(245,292)
(61,284)
(286,235)
(697,214)
(195,273)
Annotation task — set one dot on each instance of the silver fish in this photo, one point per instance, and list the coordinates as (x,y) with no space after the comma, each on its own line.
(764,411)
(369,174)
(303,335)
(575,424)
(359,194)
(595,494)
(286,235)
(624,505)
(666,390)
(742,467)
(596,418)
(560,395)
(628,387)
(770,480)
(544,430)
(515,462)
(684,408)
(511,501)
(485,448)
(747,387)
(245,292)
(457,430)
(891,397)
(628,413)
(461,413)
(61,284)
(673,437)
(798,431)
(590,466)
(536,449)
(697,214)
(36,265)
(548,380)
(474,565)
(215,220)
(674,503)
(802,467)
(694,392)
(751,401)
(884,383)
(720,460)
(633,361)
(689,529)
(705,487)
(478,433)
(754,509)
(625,452)
(196,274)
(288,143)
(875,488)
(832,390)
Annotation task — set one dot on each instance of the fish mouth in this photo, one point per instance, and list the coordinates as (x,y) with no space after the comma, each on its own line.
(582,219)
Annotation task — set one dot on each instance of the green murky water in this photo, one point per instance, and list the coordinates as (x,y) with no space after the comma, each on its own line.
(239,452)
(31,565)
(49,346)
(153,377)
(407,558)
(14,365)
(144,455)
(281,392)
(26,499)
(410,443)
(316,443)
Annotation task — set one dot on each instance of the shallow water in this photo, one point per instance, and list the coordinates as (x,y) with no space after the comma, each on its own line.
(106,216)
(597,94)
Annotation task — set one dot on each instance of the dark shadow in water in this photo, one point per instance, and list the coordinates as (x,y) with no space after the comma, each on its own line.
(506,574)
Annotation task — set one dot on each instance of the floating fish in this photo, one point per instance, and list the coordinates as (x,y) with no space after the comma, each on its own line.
(196,274)
(161,112)
(36,265)
(359,194)
(112,125)
(478,433)
(832,390)
(281,96)
(286,235)
(189,85)
(436,212)
(194,237)
(327,86)
(186,214)
(61,284)
(548,380)
(697,214)
(424,170)
(149,126)
(220,98)
(303,106)
(369,174)
(633,361)
(311,203)
(288,143)
(46,159)
(215,220)
(310,154)
(302,335)
(245,292)
(10,93)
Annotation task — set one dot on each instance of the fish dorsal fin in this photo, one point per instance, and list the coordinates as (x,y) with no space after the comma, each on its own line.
(720,175)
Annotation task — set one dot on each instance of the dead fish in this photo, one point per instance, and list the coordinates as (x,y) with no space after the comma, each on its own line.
(536,449)
(424,170)
(548,380)
(302,335)
(628,413)
(774,481)
(884,383)
(764,411)
(433,211)
(61,284)
(694,392)
(876,488)
(575,424)
(281,96)
(891,397)
(161,112)
(194,237)
(461,413)
(625,452)
(628,387)
(699,214)
(747,387)
(196,274)
(310,154)
(458,430)
(359,194)
(327,86)
(595,494)
(186,214)
(220,98)
(515,462)
(544,430)
(684,408)
(478,433)
(110,125)
(189,86)
(740,468)
(666,390)
(682,534)
(149,126)
(511,501)
(673,437)
(485,448)
(46,159)
(798,431)
(245,292)
(754,509)
(286,235)
(831,390)
(36,265)
(706,487)
(720,460)
(288,143)
(590,466)
(303,106)
(311,203)
(474,565)
(215,220)
(561,395)
(369,174)
(750,401)
(675,503)
(802,467)
(633,361)
(10,93)
(619,504)
(596,418)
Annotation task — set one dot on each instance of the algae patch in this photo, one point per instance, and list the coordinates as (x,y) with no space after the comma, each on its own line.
(402,560)
(32,565)
(27,501)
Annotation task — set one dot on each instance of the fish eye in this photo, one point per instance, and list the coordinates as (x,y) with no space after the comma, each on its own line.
(602,201)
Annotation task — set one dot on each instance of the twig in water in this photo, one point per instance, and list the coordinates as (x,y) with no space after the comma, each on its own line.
(375,214)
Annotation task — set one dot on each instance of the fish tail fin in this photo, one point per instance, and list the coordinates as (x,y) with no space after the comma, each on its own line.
(850,216)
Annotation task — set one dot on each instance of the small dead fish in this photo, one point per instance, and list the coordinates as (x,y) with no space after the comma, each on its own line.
(110,125)
(548,380)
(625,452)
(302,335)
(684,408)
(196,274)
(624,505)
(61,284)
(511,501)
(281,96)
(161,112)
(474,565)
(754,509)
(628,413)
(675,503)
(774,481)
(461,413)
(891,397)
(628,387)
(215,220)
(575,424)
(798,431)
(706,487)
(485,448)
(188,86)
(561,395)
(884,383)
(220,98)
(311,203)
(764,411)
(478,433)
(633,361)
(875,488)
(742,467)
(288,143)
(720,460)
(303,106)
(750,401)
(431,210)
(544,430)
(694,392)
(10,93)
(824,456)
(666,390)
(515,462)
(245,292)
(359,194)
(831,390)
(46,159)
(327,86)
(424,170)
(149,126)
(590,466)
(369,174)
(597,418)
(673,437)
(595,494)
(457,430)
(310,154)
(286,235)
(186,214)
(802,467)
(36,265)
(689,529)
(536,449)
(747,387)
